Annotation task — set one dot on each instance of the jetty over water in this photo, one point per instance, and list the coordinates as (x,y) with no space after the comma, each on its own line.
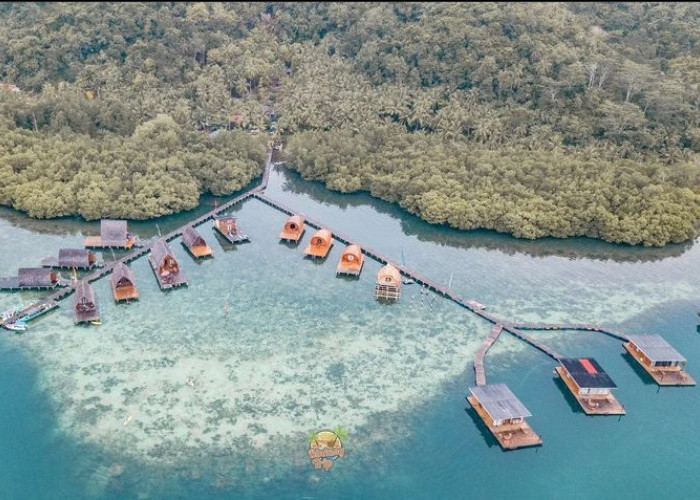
(485,399)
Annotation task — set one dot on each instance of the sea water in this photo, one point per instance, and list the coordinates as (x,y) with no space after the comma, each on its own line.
(211,390)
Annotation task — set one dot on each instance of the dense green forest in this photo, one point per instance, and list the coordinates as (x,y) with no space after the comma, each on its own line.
(546,119)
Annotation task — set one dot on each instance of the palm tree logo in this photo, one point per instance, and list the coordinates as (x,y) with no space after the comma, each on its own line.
(326,446)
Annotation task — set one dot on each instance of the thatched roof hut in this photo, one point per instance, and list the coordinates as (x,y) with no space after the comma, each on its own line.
(165,265)
(293,229)
(37,277)
(123,284)
(320,244)
(76,257)
(388,285)
(85,303)
(194,242)
(114,232)
(351,261)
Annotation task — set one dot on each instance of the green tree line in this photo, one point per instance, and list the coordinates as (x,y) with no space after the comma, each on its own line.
(545,119)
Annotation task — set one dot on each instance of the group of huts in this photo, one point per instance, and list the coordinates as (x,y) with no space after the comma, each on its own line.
(388,286)
(114,234)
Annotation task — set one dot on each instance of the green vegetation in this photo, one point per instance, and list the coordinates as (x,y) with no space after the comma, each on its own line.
(553,119)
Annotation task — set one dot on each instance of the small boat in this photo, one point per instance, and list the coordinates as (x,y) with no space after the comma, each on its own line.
(19,326)
(127,420)
(96,322)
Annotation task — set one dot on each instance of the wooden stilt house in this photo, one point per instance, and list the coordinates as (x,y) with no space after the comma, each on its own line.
(165,266)
(351,261)
(113,234)
(32,277)
(293,229)
(77,258)
(504,415)
(659,359)
(590,385)
(388,285)
(85,304)
(227,227)
(195,244)
(123,284)
(320,244)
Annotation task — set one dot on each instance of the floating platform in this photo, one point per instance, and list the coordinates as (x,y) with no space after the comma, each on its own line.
(590,385)
(351,261)
(227,227)
(293,229)
(123,284)
(85,309)
(165,266)
(320,244)
(69,258)
(659,359)
(195,244)
(388,286)
(32,278)
(504,415)
(113,234)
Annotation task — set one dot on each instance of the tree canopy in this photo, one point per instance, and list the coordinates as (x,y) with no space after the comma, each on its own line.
(545,119)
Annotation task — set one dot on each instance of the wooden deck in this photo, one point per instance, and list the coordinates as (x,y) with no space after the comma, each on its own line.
(479,371)
(231,238)
(199,251)
(95,242)
(511,436)
(662,375)
(592,405)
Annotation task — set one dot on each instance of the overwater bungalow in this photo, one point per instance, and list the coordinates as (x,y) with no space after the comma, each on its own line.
(659,359)
(590,385)
(77,258)
(227,227)
(113,234)
(85,304)
(195,244)
(32,277)
(351,261)
(504,415)
(165,266)
(388,285)
(293,229)
(320,244)
(123,284)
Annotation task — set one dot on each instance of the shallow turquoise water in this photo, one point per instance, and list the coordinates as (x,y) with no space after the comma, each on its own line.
(278,347)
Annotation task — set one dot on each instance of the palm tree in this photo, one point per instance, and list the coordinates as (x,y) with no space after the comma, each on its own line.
(312,437)
(341,433)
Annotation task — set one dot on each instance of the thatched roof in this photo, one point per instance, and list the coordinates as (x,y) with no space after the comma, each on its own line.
(159,251)
(36,276)
(75,257)
(389,275)
(192,238)
(121,275)
(84,293)
(322,237)
(352,253)
(85,302)
(113,232)
(294,222)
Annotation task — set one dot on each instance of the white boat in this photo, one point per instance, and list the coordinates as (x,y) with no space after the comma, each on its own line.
(17,327)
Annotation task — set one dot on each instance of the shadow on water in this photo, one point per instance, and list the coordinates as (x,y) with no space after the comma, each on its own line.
(572,248)
(570,399)
(481,426)
(641,372)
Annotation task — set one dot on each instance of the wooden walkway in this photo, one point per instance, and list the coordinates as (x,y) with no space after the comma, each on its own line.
(140,252)
(571,326)
(257,192)
(479,371)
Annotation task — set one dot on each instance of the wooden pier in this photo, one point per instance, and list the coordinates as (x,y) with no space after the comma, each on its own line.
(479,371)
